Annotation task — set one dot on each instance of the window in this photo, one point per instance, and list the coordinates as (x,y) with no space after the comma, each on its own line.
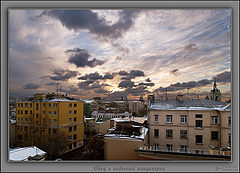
(37,106)
(169,133)
(75,128)
(214,119)
(70,112)
(54,131)
(26,119)
(183,119)
(70,129)
(49,121)
(18,104)
(55,121)
(156,118)
(19,137)
(183,134)
(198,123)
(198,115)
(18,112)
(55,105)
(21,104)
(169,147)
(30,104)
(26,105)
(43,112)
(44,105)
(229,121)
(70,138)
(26,112)
(156,146)
(31,112)
(18,119)
(70,146)
(49,112)
(169,118)
(70,105)
(21,112)
(75,145)
(75,118)
(229,138)
(49,105)
(75,104)
(21,119)
(54,113)
(183,148)
(199,139)
(198,151)
(214,135)
(75,136)
(70,119)
(156,133)
(75,111)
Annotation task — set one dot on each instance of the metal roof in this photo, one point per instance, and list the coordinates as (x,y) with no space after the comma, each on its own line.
(190,104)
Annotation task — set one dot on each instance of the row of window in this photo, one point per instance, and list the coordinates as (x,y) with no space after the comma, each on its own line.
(183,119)
(74,145)
(74,128)
(183,134)
(44,105)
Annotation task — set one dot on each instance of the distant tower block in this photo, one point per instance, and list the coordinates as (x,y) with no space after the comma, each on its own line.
(215,93)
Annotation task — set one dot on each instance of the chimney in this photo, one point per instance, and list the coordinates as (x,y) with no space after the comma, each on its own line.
(179,97)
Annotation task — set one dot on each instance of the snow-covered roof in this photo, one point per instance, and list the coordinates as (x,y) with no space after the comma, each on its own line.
(22,154)
(143,132)
(61,100)
(195,104)
(127,119)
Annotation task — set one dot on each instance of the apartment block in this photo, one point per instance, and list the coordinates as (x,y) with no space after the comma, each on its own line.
(46,122)
(189,125)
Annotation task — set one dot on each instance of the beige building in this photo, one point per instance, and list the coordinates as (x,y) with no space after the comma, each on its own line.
(92,127)
(135,106)
(123,139)
(189,125)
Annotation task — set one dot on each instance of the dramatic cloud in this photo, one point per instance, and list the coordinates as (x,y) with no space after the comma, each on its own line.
(80,58)
(223,77)
(63,75)
(133,74)
(123,73)
(31,86)
(52,84)
(147,84)
(96,76)
(88,20)
(126,84)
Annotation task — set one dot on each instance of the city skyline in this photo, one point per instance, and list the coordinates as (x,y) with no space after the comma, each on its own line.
(114,53)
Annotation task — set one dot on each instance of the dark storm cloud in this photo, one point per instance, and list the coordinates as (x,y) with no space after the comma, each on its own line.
(222,77)
(126,84)
(52,84)
(147,84)
(131,75)
(96,76)
(137,91)
(174,72)
(80,57)
(31,86)
(63,75)
(123,73)
(101,91)
(88,20)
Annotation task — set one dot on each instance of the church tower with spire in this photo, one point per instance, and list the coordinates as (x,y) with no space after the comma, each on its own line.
(215,93)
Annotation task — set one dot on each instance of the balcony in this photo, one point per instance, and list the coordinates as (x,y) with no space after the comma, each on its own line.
(154,149)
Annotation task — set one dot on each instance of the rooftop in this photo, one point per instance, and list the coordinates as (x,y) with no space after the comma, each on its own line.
(22,154)
(190,104)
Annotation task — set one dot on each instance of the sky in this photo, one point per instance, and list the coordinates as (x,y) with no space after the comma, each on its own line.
(114,53)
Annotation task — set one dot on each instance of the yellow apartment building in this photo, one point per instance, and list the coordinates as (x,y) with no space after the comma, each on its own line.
(55,125)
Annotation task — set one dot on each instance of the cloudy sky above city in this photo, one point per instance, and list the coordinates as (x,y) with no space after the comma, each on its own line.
(114,53)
